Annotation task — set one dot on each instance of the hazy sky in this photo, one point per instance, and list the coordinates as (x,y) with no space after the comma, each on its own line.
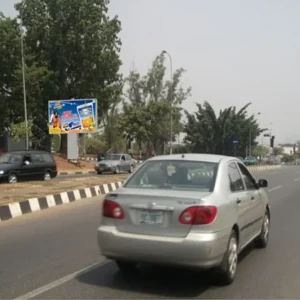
(234,51)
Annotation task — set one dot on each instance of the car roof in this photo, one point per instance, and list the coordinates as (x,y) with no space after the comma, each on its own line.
(201,157)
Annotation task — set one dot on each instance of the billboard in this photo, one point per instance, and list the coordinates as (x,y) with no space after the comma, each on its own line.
(76,116)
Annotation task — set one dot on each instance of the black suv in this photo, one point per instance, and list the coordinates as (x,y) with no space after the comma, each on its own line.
(27,165)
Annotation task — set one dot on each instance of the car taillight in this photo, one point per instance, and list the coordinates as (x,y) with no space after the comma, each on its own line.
(198,215)
(112,210)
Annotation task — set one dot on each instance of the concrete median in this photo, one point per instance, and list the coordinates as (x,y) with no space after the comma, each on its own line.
(263,167)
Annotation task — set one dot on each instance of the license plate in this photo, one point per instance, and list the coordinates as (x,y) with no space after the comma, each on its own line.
(151,218)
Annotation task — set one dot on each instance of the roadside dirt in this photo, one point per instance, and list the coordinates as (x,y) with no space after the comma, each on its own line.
(64,165)
(26,190)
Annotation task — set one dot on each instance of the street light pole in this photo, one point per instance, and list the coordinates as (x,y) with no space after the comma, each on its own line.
(171,96)
(24,85)
(250,135)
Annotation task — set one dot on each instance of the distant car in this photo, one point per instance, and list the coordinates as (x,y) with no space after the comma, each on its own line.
(116,163)
(250,160)
(27,165)
(192,210)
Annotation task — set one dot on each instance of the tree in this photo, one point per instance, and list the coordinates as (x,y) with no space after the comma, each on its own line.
(260,150)
(78,45)
(148,104)
(207,132)
(278,151)
(10,62)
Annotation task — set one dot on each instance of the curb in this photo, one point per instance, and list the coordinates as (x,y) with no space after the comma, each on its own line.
(95,159)
(76,173)
(17,209)
(262,168)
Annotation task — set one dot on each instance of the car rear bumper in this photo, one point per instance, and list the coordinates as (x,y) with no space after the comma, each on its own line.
(105,169)
(195,250)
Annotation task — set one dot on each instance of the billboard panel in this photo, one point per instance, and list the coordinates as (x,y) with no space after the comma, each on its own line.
(76,116)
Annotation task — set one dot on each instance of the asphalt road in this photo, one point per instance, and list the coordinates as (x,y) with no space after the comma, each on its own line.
(45,254)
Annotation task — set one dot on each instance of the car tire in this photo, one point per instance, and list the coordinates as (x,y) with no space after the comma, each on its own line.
(126,266)
(99,172)
(227,270)
(47,176)
(117,171)
(262,240)
(131,169)
(12,178)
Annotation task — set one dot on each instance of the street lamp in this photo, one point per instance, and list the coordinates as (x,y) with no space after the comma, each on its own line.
(171,96)
(24,84)
(250,134)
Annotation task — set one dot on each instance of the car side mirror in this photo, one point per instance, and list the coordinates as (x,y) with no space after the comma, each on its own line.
(262,183)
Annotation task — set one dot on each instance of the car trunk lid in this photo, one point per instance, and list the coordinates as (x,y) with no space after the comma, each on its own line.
(155,212)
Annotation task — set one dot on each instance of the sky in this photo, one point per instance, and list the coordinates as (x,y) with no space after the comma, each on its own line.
(233,51)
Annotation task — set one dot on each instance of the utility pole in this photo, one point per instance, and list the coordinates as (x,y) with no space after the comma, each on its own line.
(24,85)
(171,96)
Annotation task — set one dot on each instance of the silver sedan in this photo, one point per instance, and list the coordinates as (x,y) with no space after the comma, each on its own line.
(191,210)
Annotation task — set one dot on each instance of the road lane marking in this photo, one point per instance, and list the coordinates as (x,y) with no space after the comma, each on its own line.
(61,281)
(296,179)
(275,188)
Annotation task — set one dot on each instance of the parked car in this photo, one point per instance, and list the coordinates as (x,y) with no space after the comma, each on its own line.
(161,216)
(116,163)
(250,160)
(27,165)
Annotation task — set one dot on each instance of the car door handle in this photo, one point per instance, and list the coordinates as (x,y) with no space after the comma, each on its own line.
(238,201)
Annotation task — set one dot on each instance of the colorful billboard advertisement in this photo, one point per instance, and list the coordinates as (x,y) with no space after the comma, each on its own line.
(76,116)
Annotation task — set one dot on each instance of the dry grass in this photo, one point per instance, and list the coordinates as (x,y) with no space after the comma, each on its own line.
(26,190)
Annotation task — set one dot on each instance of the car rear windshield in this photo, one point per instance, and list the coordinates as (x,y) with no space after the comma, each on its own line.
(112,157)
(177,174)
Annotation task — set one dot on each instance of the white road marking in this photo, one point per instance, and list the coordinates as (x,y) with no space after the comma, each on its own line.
(275,188)
(296,179)
(61,281)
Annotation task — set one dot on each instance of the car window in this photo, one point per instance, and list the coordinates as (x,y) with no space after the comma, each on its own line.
(11,158)
(249,180)
(128,157)
(27,157)
(112,157)
(48,158)
(177,174)
(37,158)
(235,178)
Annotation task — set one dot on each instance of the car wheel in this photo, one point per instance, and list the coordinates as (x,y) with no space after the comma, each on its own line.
(131,169)
(125,266)
(117,171)
(99,172)
(263,239)
(228,268)
(12,178)
(47,176)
